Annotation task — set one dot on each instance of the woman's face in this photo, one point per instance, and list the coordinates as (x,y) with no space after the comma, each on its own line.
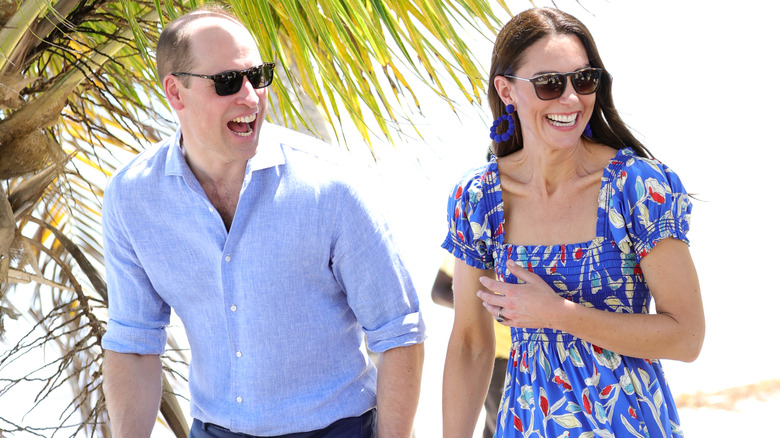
(556,123)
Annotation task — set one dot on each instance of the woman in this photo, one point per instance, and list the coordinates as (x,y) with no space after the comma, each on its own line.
(564,237)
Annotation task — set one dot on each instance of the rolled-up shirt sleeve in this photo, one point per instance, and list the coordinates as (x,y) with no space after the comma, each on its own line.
(371,271)
(137,314)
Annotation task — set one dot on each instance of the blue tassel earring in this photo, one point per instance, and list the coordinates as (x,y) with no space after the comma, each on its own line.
(588,132)
(500,138)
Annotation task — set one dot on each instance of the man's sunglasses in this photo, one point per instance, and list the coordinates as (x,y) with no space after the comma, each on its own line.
(551,86)
(228,83)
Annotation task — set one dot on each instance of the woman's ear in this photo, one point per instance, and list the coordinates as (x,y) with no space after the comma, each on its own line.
(173,88)
(504,89)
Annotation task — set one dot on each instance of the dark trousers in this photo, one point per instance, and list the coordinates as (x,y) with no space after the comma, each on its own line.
(363,426)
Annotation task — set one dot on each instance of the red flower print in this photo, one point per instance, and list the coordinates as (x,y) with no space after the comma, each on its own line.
(530,268)
(607,390)
(586,404)
(460,236)
(554,268)
(563,254)
(459,193)
(632,412)
(562,383)
(657,197)
(578,254)
(457,212)
(597,349)
(637,270)
(544,404)
(518,423)
(501,231)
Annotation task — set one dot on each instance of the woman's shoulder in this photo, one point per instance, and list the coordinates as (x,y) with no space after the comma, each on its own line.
(627,160)
(477,178)
(477,195)
(628,167)
(646,202)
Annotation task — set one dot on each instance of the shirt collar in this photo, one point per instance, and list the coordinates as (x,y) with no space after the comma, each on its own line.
(269,152)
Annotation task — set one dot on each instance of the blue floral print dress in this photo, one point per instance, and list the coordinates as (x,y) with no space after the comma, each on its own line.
(558,385)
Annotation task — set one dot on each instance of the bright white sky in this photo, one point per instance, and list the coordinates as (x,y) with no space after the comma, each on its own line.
(681,72)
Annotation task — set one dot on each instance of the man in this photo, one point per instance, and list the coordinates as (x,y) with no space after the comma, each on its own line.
(273,262)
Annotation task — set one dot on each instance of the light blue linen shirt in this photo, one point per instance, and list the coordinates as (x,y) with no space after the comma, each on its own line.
(276,309)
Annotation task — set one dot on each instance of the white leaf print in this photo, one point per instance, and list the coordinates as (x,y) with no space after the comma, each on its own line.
(478,230)
(637,384)
(644,215)
(645,377)
(568,421)
(616,219)
(658,398)
(630,428)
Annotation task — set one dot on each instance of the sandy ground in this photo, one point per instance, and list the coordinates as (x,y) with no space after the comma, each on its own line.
(748,410)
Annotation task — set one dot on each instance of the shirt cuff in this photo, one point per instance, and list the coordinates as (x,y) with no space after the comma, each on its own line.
(405,330)
(124,339)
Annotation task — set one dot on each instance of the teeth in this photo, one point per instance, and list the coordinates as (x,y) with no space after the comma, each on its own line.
(245,119)
(244,134)
(561,119)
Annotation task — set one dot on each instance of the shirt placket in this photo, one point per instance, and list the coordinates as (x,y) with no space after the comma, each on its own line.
(233,309)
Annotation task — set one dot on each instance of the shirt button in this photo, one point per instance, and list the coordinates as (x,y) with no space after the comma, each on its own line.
(227,258)
(238,354)
(233,308)
(211,209)
(239,399)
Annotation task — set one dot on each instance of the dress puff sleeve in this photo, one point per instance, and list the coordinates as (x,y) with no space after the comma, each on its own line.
(474,215)
(646,203)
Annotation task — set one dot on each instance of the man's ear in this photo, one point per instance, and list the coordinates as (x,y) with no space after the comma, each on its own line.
(504,89)
(173,88)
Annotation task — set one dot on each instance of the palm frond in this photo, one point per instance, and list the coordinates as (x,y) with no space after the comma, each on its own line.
(352,57)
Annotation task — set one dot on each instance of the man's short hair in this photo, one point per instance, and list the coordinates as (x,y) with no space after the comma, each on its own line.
(173,47)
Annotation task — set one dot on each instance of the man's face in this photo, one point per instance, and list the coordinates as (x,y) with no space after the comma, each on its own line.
(220,129)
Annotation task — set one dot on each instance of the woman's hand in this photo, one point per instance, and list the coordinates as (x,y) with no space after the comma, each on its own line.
(529,304)
(674,331)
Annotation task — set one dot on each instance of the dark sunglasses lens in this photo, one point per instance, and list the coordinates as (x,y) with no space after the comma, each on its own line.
(228,83)
(261,77)
(586,81)
(549,86)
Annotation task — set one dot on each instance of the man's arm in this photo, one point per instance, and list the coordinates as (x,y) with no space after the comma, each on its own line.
(132,385)
(398,390)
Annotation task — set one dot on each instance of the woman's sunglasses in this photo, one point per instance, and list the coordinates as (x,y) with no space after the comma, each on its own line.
(551,86)
(228,83)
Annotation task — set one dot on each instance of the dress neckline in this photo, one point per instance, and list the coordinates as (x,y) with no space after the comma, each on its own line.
(607,176)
